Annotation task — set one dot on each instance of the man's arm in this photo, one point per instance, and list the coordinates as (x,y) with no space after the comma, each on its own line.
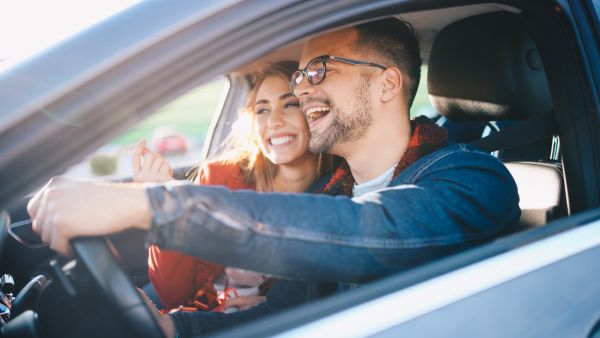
(282,295)
(66,208)
(454,202)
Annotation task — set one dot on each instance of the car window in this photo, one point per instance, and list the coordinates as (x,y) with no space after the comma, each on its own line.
(422,104)
(177,131)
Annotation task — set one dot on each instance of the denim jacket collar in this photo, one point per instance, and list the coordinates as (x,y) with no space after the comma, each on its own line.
(426,138)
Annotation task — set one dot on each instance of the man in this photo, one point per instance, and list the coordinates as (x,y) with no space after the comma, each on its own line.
(414,197)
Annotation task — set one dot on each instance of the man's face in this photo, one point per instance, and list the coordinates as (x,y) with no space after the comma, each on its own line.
(338,109)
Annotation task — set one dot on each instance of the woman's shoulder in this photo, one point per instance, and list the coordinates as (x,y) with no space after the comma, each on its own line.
(222,172)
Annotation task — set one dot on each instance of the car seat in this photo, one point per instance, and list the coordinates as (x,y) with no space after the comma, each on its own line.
(486,68)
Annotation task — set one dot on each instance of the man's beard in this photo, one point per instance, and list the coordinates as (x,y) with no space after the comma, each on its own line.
(345,127)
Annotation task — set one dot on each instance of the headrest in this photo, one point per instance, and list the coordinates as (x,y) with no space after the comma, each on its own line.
(486,67)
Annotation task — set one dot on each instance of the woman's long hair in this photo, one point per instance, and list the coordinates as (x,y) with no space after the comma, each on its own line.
(242,146)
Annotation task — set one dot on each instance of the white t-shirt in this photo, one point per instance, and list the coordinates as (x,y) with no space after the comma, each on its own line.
(375,184)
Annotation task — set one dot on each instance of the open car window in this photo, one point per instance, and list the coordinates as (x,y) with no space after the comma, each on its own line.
(528,281)
(177,131)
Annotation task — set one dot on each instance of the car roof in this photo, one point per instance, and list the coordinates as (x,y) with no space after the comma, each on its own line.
(427,23)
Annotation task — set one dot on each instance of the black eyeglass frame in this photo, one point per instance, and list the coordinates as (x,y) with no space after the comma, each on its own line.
(324,59)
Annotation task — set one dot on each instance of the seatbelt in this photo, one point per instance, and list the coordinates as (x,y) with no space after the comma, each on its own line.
(534,129)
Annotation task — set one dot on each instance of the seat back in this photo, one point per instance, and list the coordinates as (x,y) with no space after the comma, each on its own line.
(486,69)
(541,191)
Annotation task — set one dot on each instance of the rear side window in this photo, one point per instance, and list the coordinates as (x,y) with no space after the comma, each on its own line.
(422,105)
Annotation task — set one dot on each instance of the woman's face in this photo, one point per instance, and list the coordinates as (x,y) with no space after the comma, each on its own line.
(279,124)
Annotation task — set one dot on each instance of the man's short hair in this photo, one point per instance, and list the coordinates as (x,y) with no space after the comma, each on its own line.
(396,42)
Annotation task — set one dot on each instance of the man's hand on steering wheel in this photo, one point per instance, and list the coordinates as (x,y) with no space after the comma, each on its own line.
(65,208)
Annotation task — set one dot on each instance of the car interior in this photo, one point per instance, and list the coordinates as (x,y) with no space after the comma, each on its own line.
(470,81)
(488,83)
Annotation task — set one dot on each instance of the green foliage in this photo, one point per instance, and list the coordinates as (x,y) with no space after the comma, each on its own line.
(190,114)
(103,165)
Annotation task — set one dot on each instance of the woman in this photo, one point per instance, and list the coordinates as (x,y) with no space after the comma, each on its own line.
(267,151)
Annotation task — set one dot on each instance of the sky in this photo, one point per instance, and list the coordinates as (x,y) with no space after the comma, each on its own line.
(29,26)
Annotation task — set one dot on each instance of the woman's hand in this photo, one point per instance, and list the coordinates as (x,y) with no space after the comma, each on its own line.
(149,166)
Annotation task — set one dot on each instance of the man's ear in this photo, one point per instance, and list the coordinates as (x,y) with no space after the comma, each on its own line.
(392,84)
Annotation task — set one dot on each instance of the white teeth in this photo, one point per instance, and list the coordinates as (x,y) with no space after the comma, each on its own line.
(316,113)
(281,140)
(316,109)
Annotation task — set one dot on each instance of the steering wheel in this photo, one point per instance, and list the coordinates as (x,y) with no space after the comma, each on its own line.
(97,258)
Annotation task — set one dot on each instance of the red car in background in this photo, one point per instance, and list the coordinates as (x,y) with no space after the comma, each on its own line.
(167,140)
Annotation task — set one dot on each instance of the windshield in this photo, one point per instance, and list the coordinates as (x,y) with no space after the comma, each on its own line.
(28,27)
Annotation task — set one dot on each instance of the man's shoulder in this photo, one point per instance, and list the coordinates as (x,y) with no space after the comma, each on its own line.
(459,152)
(455,156)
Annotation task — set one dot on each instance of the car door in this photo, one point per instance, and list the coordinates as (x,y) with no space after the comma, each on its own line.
(542,289)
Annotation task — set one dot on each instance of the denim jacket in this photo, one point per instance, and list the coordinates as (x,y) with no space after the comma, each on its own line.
(449,200)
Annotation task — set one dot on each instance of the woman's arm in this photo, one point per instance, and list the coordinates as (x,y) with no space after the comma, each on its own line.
(175,276)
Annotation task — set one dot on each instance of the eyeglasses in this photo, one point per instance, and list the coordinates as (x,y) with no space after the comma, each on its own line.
(316,69)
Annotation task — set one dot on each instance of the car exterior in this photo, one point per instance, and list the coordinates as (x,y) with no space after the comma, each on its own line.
(535,284)
(167,140)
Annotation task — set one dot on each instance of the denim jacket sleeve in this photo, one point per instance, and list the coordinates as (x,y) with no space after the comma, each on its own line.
(449,200)
(282,295)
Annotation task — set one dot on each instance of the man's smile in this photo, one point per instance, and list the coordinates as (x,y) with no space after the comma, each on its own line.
(316,111)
